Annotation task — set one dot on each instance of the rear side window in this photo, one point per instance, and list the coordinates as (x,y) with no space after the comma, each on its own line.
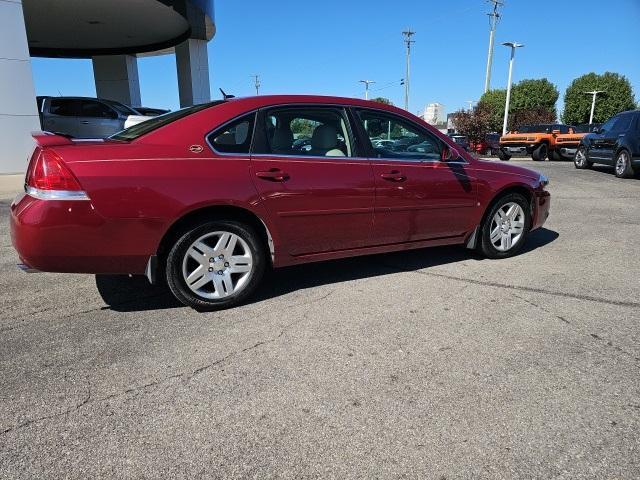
(64,107)
(234,137)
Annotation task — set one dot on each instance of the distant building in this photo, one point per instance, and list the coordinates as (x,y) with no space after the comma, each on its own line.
(451,124)
(433,114)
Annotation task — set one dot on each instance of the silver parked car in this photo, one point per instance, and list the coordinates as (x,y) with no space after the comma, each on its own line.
(83,117)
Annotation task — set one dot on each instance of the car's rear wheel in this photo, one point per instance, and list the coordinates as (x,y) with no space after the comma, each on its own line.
(540,154)
(215,265)
(505,227)
(623,165)
(580,160)
(503,155)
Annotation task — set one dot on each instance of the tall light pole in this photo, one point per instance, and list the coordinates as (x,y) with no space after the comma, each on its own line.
(493,21)
(407,39)
(593,94)
(513,46)
(256,83)
(366,87)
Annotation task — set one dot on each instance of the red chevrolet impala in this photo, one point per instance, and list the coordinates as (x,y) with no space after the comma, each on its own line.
(210,196)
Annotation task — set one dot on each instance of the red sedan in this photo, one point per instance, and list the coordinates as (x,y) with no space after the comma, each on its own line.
(210,196)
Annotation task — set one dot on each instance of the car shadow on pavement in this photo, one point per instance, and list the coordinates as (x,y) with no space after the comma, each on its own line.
(123,293)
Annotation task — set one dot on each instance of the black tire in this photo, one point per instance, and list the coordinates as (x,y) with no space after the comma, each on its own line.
(494,152)
(555,156)
(178,284)
(485,246)
(503,155)
(623,167)
(540,154)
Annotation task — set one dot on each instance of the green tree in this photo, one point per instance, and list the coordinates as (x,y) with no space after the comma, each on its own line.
(530,99)
(617,97)
(386,101)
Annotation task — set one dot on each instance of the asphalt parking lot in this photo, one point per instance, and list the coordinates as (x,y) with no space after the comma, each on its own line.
(425,364)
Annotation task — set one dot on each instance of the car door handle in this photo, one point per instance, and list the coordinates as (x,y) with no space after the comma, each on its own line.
(273,175)
(393,176)
(84,122)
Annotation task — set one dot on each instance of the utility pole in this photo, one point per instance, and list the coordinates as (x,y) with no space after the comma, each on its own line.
(256,82)
(493,21)
(593,94)
(366,87)
(407,39)
(513,46)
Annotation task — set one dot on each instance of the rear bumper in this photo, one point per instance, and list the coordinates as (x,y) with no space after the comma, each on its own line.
(70,236)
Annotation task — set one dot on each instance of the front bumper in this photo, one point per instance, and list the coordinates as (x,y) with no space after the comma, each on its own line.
(519,147)
(542,206)
(70,236)
(568,151)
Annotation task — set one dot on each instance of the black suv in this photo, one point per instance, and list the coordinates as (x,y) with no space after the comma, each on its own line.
(616,143)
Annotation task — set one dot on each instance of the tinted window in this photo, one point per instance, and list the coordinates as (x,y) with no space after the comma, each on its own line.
(234,137)
(152,124)
(609,124)
(65,107)
(394,137)
(121,108)
(91,108)
(313,131)
(622,123)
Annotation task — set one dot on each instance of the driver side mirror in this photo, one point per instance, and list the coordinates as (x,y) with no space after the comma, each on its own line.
(597,130)
(449,154)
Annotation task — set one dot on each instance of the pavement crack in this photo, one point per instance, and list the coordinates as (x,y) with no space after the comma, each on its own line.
(485,283)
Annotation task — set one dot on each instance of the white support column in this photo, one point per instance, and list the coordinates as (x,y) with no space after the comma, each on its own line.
(18,110)
(192,64)
(116,78)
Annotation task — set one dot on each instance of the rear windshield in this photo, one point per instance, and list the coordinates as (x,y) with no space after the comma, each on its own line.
(140,129)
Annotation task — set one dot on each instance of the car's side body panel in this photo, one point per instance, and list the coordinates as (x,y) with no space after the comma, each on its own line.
(138,190)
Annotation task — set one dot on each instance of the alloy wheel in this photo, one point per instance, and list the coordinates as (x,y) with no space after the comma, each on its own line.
(507,226)
(621,163)
(217,265)
(580,158)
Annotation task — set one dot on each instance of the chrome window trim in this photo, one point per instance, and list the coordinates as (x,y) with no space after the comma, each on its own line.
(55,194)
(302,157)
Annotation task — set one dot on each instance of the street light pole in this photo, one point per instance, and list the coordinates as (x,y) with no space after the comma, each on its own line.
(593,94)
(366,87)
(513,46)
(256,82)
(407,39)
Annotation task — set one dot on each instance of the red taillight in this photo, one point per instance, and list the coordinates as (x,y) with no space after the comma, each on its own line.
(48,172)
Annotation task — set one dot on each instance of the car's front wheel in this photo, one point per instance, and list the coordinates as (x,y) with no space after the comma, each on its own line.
(215,265)
(624,169)
(580,160)
(505,227)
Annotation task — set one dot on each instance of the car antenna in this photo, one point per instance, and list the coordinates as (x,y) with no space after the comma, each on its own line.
(226,96)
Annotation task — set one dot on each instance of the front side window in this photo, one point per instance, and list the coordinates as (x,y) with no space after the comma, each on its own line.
(91,108)
(306,131)
(607,126)
(622,123)
(235,137)
(393,137)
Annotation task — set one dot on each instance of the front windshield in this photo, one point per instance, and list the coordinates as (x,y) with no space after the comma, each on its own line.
(140,129)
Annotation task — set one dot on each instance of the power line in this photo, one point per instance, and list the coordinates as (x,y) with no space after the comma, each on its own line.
(494,17)
(408,33)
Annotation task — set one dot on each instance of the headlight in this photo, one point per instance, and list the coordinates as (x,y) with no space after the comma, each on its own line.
(544,181)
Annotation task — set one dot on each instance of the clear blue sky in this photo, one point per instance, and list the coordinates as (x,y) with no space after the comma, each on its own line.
(326,46)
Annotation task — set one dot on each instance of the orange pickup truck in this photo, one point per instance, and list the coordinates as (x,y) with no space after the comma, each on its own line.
(552,141)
